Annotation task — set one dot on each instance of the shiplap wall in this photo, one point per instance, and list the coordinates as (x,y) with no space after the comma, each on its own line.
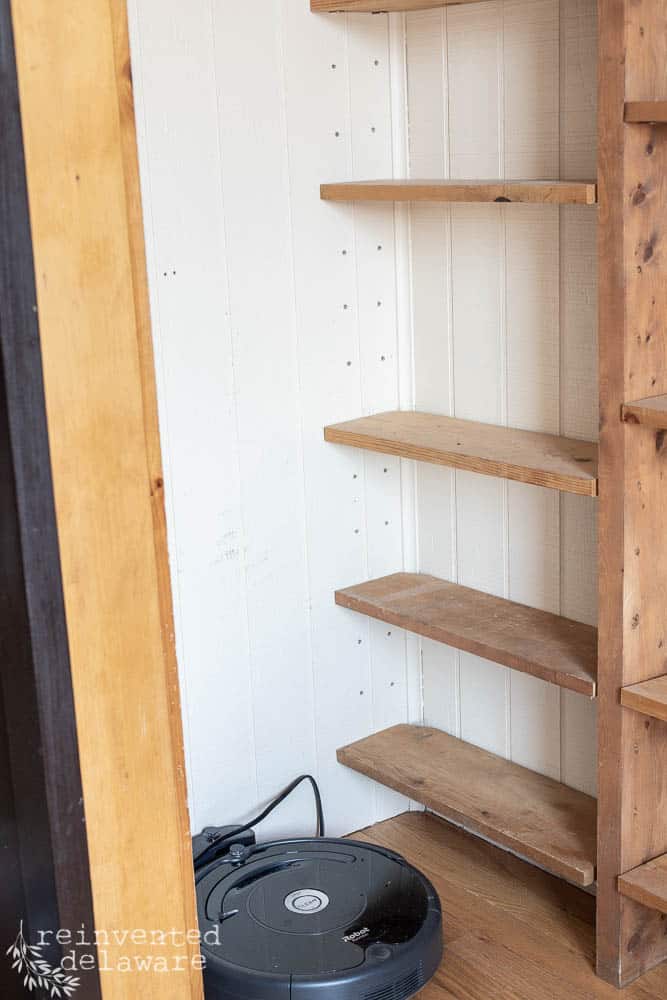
(275,314)
(505,320)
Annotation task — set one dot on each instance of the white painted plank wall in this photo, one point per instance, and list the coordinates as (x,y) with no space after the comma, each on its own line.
(273,314)
(504,321)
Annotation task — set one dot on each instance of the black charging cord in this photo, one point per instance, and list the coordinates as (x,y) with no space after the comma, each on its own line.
(213,848)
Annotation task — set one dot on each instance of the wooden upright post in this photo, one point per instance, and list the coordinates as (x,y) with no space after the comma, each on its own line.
(633,484)
(85,208)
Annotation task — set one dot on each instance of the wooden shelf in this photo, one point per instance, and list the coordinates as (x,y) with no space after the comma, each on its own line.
(647,884)
(556,649)
(651,411)
(537,817)
(649,697)
(646,112)
(377,6)
(540,459)
(537,192)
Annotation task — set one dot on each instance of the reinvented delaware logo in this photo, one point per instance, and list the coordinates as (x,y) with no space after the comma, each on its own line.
(37,973)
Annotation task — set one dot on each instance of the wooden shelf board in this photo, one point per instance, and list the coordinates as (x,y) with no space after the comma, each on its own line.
(540,459)
(538,192)
(377,6)
(646,112)
(649,697)
(539,818)
(647,884)
(555,649)
(651,411)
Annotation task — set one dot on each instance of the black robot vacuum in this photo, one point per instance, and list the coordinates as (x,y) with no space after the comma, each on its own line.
(312,919)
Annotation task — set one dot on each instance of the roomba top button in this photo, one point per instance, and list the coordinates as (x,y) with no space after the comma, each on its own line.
(307,901)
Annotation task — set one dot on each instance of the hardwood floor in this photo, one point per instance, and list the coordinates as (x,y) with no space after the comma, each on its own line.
(512,932)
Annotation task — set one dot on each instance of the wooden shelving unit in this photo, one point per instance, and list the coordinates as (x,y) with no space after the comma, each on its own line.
(536,817)
(556,649)
(646,112)
(540,459)
(652,412)
(530,192)
(648,697)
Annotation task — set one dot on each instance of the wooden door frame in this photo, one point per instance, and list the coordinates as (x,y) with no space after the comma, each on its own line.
(46,874)
(89,679)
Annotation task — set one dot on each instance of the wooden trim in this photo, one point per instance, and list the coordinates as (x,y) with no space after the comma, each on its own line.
(43,834)
(534,642)
(632,749)
(86,223)
(532,192)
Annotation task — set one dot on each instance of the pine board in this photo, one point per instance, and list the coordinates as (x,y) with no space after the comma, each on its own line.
(534,192)
(652,412)
(648,697)
(647,884)
(646,112)
(524,456)
(377,6)
(555,649)
(539,818)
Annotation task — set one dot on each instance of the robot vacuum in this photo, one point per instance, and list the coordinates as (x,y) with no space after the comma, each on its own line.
(316,919)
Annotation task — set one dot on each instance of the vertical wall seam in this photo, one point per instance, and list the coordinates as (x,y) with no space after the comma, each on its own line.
(505,492)
(448,218)
(404,325)
(150,239)
(297,361)
(244,538)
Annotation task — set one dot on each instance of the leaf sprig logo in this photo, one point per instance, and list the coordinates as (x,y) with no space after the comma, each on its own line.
(36,971)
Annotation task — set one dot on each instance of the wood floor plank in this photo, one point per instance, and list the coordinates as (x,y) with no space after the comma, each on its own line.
(524,456)
(556,649)
(534,192)
(538,818)
(647,884)
(652,412)
(506,922)
(648,697)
